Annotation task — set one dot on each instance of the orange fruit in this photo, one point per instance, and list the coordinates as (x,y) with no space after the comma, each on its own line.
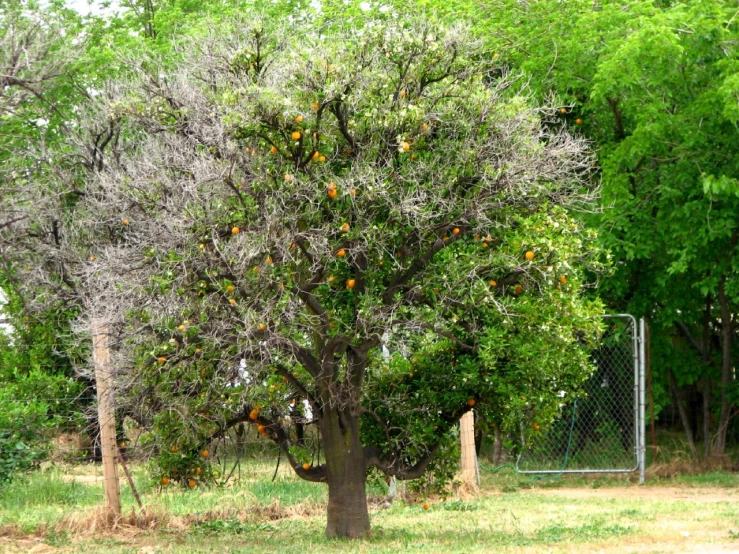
(519,289)
(235,231)
(201,246)
(341,253)
(274,150)
(181,327)
(578,121)
(405,146)
(91,258)
(535,427)
(198,351)
(192,483)
(204,453)
(484,244)
(261,429)
(230,288)
(563,279)
(331,185)
(424,128)
(350,284)
(331,193)
(292,402)
(315,105)
(254,414)
(322,158)
(232,301)
(261,327)
(292,246)
(352,192)
(345,228)
(529,255)
(315,155)
(165,481)
(288,177)
(161,359)
(298,119)
(402,94)
(331,278)
(493,284)
(306,466)
(269,260)
(563,110)
(471,402)
(426,506)
(295,135)
(125,222)
(455,231)
(174,450)
(198,471)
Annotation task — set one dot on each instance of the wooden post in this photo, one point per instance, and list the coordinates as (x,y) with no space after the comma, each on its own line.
(469,456)
(106,416)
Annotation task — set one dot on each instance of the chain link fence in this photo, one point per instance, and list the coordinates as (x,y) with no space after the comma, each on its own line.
(598,431)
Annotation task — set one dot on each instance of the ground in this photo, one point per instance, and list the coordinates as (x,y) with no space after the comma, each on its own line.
(57,512)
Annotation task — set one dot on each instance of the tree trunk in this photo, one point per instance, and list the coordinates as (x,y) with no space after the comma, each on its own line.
(346,466)
(683,415)
(726,335)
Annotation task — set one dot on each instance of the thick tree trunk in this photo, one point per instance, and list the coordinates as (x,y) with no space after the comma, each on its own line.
(726,336)
(346,466)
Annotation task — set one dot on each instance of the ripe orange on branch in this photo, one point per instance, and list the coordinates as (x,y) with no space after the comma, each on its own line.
(455,231)
(295,135)
(165,481)
(192,483)
(306,466)
(345,228)
(350,283)
(298,119)
(235,231)
(331,193)
(204,453)
(341,253)
(471,402)
(254,414)
(530,255)
(563,280)
(519,289)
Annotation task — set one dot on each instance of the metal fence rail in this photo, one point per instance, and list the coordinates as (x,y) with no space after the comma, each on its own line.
(602,431)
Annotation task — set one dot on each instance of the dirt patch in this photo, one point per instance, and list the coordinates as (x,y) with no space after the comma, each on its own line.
(704,495)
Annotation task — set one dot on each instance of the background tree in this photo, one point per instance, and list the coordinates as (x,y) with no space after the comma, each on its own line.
(654,85)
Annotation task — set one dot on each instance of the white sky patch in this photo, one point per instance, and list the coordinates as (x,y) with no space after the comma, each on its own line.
(94,7)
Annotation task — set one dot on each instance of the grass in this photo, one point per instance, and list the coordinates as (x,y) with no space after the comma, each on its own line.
(511,514)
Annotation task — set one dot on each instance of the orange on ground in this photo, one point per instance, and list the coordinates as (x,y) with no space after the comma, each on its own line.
(165,481)
(350,283)
(529,255)
(125,222)
(426,506)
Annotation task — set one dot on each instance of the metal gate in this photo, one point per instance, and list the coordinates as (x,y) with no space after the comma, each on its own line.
(602,431)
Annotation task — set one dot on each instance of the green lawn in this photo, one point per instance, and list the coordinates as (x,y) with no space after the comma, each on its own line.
(511,514)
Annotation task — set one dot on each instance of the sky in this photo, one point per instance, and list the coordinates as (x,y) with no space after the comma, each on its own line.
(84,7)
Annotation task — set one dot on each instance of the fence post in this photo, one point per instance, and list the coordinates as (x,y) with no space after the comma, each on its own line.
(469,456)
(106,416)
(642,418)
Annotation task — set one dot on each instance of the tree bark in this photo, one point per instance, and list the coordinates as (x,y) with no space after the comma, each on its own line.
(726,336)
(346,466)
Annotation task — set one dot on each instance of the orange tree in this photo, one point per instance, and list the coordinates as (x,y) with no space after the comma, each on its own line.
(273,208)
